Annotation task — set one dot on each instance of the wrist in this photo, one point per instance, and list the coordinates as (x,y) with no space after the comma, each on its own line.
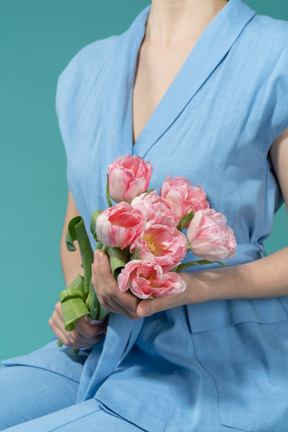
(198,288)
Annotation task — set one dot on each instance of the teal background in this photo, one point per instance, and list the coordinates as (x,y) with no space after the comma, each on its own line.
(37,40)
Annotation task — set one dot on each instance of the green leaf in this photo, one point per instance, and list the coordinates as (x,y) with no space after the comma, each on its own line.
(79,298)
(76,231)
(200,262)
(93,223)
(72,304)
(105,248)
(60,344)
(107,193)
(118,259)
(136,255)
(71,234)
(102,313)
(99,245)
(204,262)
(93,302)
(69,294)
(175,269)
(97,311)
(75,289)
(72,310)
(185,220)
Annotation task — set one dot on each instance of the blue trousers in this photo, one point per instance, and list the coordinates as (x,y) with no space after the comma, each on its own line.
(34,400)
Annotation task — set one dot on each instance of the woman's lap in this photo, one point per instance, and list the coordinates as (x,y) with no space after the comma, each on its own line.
(34,399)
(87,415)
(28,392)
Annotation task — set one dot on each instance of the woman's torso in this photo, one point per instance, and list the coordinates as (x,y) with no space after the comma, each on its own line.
(158,63)
(214,125)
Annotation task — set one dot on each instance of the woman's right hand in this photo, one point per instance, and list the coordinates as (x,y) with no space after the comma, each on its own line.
(84,335)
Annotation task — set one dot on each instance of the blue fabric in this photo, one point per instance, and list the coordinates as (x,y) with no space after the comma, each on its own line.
(89,415)
(20,401)
(220,364)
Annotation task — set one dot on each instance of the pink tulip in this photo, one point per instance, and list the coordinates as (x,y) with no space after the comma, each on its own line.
(157,210)
(129,176)
(161,244)
(209,236)
(147,279)
(182,196)
(118,226)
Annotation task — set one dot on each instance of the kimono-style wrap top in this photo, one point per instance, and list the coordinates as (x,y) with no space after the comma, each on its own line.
(220,362)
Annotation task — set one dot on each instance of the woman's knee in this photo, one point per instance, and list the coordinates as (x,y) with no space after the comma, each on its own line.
(29,392)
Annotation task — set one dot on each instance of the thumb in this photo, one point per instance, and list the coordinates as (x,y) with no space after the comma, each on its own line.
(148,307)
(101,263)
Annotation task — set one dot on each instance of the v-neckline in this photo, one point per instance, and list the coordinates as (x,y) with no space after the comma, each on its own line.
(207,54)
(176,78)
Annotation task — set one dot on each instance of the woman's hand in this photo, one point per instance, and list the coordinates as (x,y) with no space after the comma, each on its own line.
(126,303)
(192,294)
(107,290)
(84,335)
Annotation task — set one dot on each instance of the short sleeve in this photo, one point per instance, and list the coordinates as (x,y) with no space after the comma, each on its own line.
(74,88)
(277,89)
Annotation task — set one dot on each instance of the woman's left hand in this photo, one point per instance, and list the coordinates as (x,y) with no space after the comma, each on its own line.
(126,303)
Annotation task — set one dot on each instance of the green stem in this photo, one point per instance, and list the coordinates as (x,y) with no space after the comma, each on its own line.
(105,248)
(60,344)
(200,262)
(109,202)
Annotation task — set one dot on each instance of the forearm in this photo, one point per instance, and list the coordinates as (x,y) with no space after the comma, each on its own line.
(266,277)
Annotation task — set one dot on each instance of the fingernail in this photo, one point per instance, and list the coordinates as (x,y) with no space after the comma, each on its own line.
(99,257)
(146,308)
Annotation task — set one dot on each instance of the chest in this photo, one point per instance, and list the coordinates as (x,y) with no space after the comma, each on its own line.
(155,71)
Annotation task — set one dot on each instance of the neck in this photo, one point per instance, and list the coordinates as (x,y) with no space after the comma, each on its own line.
(171,21)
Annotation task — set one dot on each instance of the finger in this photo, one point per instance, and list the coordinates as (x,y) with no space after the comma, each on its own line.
(105,285)
(58,332)
(127,299)
(101,264)
(115,307)
(73,338)
(102,276)
(109,305)
(150,307)
(58,320)
(57,324)
(127,303)
(58,310)
(88,330)
(77,341)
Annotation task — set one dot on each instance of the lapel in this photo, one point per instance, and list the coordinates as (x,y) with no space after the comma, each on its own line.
(116,131)
(210,49)
(102,361)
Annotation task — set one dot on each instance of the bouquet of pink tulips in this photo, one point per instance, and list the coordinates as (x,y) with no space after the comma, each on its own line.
(142,235)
